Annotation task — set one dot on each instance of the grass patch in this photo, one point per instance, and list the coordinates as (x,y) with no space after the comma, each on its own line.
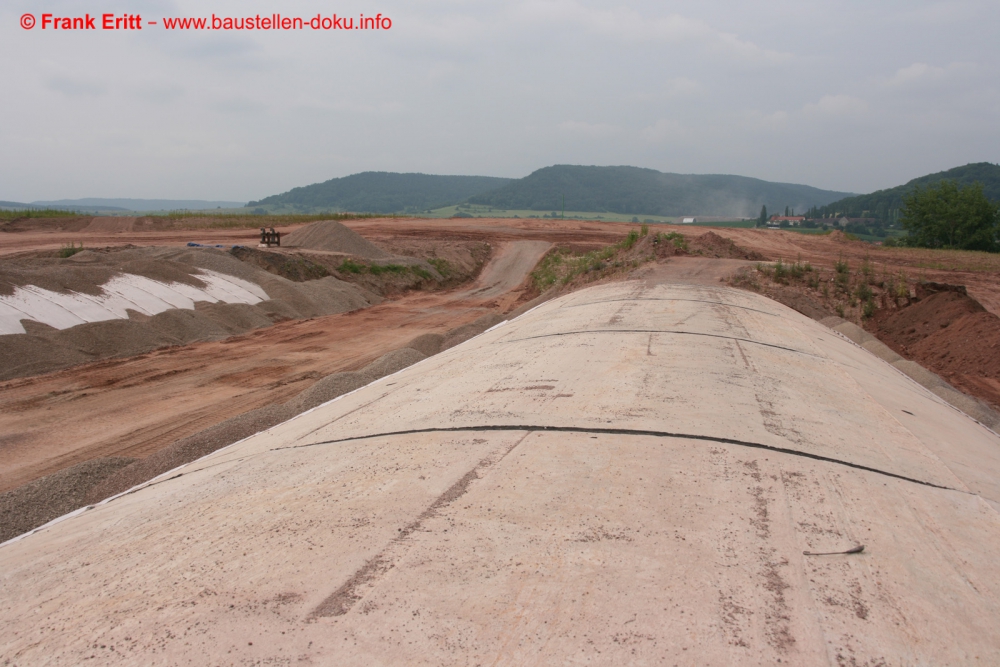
(245,220)
(70,249)
(37,213)
(441,266)
(561,267)
(631,239)
(675,237)
(546,274)
(379,269)
(780,272)
(484,211)
(350,266)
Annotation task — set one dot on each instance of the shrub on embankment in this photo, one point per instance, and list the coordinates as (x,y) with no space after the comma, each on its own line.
(561,267)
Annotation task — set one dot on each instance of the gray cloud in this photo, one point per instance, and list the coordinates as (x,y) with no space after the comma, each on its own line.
(75,87)
(842,95)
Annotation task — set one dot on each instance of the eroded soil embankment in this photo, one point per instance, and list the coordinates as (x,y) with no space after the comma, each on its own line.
(950,333)
(936,325)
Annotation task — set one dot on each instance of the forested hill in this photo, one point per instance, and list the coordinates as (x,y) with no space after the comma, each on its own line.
(634,190)
(885,204)
(383,192)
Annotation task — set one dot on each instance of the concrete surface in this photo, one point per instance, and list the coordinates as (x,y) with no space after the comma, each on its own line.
(970,405)
(626,475)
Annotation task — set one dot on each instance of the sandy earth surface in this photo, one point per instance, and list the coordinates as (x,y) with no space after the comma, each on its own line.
(630,474)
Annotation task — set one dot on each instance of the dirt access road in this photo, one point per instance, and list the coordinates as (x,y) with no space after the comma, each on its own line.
(134,407)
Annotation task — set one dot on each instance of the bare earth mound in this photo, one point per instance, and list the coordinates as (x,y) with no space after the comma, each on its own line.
(331,236)
(950,333)
(926,317)
(38,502)
(711,244)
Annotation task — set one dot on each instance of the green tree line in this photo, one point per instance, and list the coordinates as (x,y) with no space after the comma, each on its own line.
(947,215)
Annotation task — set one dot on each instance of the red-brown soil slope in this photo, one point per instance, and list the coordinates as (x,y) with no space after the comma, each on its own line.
(953,335)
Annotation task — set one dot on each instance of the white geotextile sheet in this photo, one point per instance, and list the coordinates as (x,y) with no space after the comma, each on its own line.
(141,294)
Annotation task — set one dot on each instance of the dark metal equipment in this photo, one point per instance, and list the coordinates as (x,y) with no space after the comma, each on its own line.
(269,238)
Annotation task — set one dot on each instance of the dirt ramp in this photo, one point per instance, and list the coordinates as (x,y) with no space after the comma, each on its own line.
(509,268)
(331,236)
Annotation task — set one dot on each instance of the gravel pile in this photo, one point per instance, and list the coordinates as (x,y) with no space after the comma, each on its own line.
(331,236)
(391,363)
(427,344)
(36,503)
(463,333)
(44,349)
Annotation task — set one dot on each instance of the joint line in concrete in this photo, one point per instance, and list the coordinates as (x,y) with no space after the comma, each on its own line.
(632,432)
(664,331)
(646,298)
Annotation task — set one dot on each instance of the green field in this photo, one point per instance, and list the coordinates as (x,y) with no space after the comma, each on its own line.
(742,224)
(490,212)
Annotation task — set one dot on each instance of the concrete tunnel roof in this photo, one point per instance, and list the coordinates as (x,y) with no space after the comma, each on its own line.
(629,474)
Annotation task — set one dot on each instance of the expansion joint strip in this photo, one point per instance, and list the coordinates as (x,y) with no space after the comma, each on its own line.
(660,331)
(647,298)
(629,432)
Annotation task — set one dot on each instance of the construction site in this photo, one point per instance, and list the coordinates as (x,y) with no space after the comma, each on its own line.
(494,441)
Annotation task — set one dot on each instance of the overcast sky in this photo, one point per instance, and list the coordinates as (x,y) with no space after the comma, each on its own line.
(852,96)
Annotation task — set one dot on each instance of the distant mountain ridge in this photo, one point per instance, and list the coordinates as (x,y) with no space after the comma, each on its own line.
(98,203)
(383,192)
(635,190)
(629,190)
(885,204)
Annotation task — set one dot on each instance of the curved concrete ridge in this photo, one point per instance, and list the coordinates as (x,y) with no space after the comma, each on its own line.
(646,529)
